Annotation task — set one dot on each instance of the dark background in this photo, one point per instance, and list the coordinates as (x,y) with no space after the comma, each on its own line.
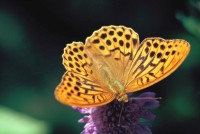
(34,33)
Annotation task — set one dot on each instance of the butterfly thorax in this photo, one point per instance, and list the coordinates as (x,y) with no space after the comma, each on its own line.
(107,77)
(118,90)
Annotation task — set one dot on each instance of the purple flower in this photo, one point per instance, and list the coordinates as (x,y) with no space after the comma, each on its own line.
(116,117)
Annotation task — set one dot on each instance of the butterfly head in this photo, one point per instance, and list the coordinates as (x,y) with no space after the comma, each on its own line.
(122,97)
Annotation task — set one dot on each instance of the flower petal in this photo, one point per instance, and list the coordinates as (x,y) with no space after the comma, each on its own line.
(140,129)
(148,115)
(85,119)
(81,110)
(83,132)
(147,94)
(89,128)
(135,118)
(147,100)
(151,104)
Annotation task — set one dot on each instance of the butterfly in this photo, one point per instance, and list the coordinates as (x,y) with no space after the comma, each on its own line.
(112,63)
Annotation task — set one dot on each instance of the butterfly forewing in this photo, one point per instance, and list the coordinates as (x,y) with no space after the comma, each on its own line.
(158,59)
(113,47)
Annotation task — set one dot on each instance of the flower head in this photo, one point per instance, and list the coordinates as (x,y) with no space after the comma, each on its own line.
(120,118)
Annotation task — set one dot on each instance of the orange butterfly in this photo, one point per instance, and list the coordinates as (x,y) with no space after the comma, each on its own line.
(113,63)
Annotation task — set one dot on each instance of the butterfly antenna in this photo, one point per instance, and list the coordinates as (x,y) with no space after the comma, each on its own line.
(148,98)
(120,115)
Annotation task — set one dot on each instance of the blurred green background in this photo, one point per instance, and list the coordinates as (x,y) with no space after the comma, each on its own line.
(34,33)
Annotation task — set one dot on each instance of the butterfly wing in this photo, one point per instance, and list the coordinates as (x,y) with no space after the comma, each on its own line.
(113,48)
(113,54)
(155,59)
(78,86)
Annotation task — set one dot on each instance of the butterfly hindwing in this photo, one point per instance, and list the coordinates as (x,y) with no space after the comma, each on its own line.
(78,86)
(78,90)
